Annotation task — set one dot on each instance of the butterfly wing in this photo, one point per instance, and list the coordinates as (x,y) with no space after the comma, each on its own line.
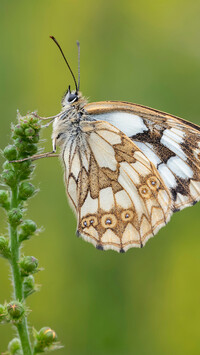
(119,197)
(170,143)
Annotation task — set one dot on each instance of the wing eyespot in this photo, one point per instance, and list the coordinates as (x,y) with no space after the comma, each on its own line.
(127,215)
(145,191)
(89,221)
(108,221)
(92,221)
(153,183)
(84,223)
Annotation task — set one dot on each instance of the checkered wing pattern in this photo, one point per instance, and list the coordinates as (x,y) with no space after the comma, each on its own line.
(119,196)
(170,143)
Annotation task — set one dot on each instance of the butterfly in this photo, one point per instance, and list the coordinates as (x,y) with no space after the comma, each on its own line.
(128,167)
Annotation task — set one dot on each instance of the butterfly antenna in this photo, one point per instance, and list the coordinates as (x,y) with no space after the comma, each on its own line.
(78,45)
(53,38)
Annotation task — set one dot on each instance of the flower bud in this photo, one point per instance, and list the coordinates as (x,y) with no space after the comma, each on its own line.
(25,164)
(14,347)
(9,177)
(35,138)
(15,310)
(47,335)
(45,338)
(24,174)
(24,123)
(29,132)
(36,126)
(28,265)
(18,131)
(27,229)
(26,190)
(3,313)
(22,147)
(10,152)
(15,216)
(31,148)
(33,119)
(19,142)
(4,247)
(4,199)
(28,285)
(7,165)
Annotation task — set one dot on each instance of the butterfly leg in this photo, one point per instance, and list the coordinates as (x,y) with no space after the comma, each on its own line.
(45,118)
(39,156)
(47,124)
(36,157)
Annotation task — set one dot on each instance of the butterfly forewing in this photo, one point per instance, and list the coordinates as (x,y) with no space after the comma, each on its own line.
(170,143)
(119,197)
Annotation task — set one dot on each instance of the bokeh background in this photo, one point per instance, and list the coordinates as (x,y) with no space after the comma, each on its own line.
(145,301)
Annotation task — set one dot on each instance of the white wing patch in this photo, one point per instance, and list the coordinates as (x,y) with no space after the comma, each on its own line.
(106,199)
(172,142)
(147,149)
(179,168)
(90,206)
(127,123)
(103,152)
(110,137)
(167,176)
(76,165)
(123,200)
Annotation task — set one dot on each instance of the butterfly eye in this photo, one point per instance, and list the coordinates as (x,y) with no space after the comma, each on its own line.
(69,97)
(72,98)
(127,215)
(153,183)
(145,191)
(108,221)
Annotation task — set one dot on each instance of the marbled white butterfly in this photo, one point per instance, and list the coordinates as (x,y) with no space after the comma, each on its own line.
(128,167)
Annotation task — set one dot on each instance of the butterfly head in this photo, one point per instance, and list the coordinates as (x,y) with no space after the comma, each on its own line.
(70,97)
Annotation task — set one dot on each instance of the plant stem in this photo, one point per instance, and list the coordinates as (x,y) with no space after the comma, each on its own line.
(17,279)
(15,252)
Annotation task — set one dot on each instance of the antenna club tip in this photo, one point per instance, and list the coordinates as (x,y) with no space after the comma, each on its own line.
(52,37)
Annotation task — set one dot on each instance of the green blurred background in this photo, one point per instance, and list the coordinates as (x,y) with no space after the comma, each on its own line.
(145,301)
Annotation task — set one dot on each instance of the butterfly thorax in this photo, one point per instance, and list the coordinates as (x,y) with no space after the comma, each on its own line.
(67,125)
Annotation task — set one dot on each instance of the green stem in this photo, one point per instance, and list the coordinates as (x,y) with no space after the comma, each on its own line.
(17,279)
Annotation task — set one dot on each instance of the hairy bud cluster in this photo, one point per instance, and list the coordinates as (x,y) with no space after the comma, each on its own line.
(14,347)
(25,138)
(28,265)
(4,247)
(15,310)
(15,216)
(15,174)
(45,339)
(29,286)
(4,199)
(27,229)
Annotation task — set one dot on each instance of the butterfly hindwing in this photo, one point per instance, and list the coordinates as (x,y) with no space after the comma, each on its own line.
(119,197)
(170,143)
